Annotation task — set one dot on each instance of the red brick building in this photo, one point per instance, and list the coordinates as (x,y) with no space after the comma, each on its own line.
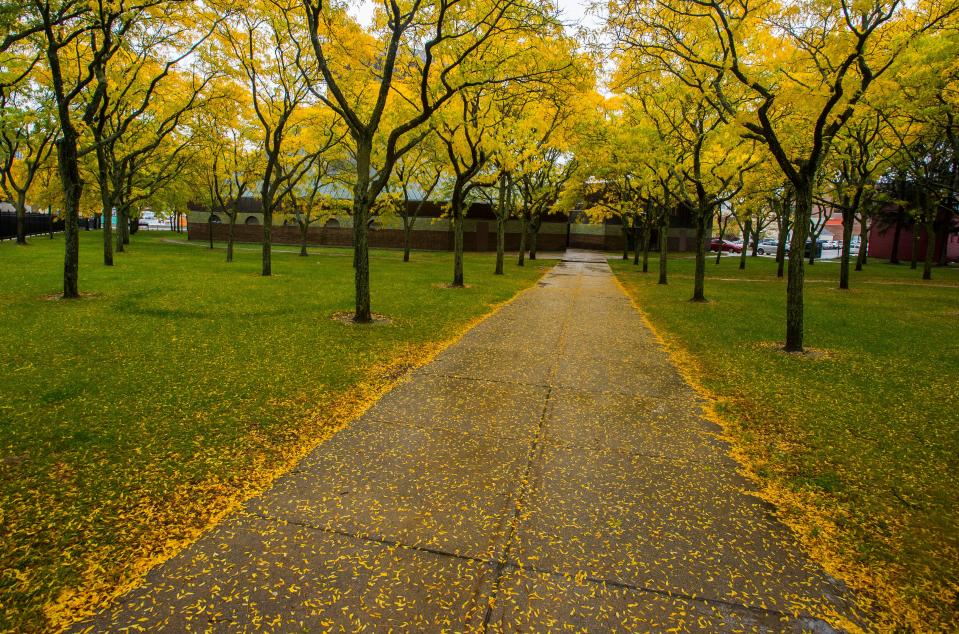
(881,245)
(431,231)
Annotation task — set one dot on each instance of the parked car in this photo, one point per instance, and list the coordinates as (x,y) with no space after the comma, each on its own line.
(767,247)
(149,220)
(809,246)
(726,245)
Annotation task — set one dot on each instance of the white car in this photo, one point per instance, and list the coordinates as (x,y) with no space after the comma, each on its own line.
(149,220)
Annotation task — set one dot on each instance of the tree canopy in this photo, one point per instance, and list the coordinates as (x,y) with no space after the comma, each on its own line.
(721,109)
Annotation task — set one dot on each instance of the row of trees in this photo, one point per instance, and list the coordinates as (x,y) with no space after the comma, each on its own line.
(151,101)
(759,111)
(719,110)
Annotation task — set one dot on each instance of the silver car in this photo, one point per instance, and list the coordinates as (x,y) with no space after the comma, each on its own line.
(767,247)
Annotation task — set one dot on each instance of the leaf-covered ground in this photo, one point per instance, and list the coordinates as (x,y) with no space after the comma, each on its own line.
(857,442)
(465,500)
(135,417)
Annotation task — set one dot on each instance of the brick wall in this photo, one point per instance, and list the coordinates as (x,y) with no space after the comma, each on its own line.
(428,239)
(482,239)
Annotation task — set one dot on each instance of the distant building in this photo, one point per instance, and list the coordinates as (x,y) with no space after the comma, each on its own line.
(432,230)
(881,244)
(890,233)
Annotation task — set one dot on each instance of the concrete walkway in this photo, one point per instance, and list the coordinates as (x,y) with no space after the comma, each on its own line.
(549,470)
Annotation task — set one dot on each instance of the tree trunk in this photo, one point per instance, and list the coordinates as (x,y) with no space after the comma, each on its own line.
(120,223)
(107,232)
(781,253)
(304,232)
(796,279)
(69,168)
(914,256)
(103,176)
(267,252)
(755,242)
(625,241)
(930,249)
(746,233)
(699,280)
(457,239)
(783,222)
(722,236)
(522,241)
(646,237)
(229,238)
(848,216)
(863,255)
(636,246)
(500,244)
(663,246)
(501,214)
(50,214)
(533,235)
(107,203)
(361,260)
(894,256)
(361,251)
(21,217)
(407,238)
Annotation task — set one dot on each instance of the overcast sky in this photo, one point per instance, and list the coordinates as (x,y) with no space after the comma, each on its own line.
(574,11)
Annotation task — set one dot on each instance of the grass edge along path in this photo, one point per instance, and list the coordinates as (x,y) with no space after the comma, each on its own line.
(801,510)
(99,591)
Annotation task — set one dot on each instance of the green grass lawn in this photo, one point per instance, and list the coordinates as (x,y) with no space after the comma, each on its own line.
(858,442)
(133,417)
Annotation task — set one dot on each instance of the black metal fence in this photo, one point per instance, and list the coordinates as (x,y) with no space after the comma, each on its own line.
(35,224)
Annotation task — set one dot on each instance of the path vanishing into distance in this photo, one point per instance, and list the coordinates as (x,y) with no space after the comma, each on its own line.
(550,470)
